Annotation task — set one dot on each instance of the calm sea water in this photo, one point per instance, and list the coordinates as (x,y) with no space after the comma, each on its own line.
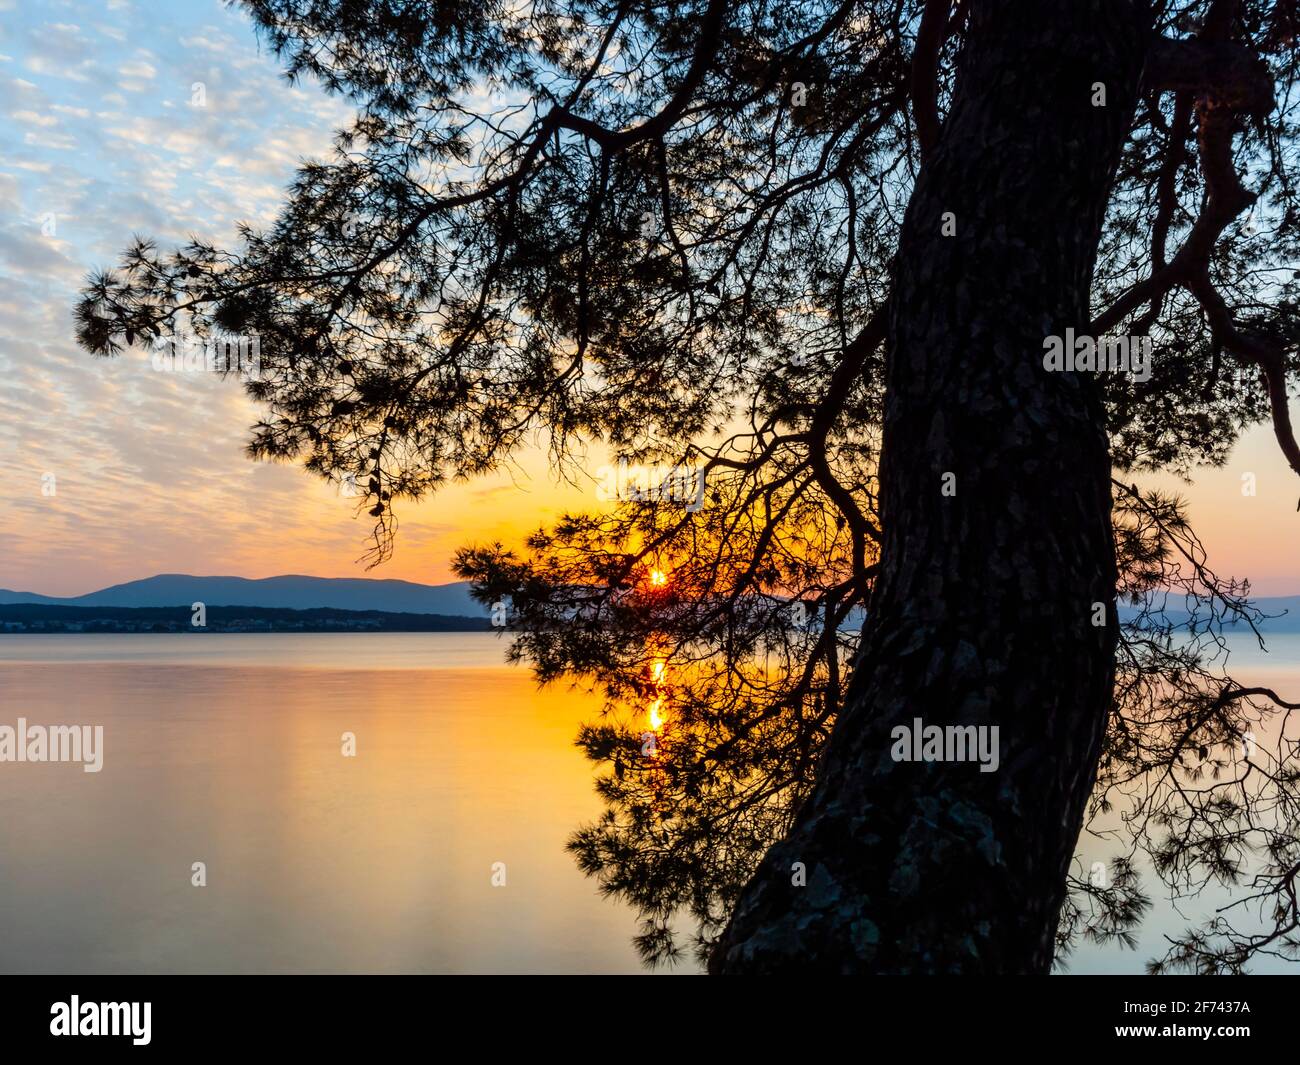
(226,749)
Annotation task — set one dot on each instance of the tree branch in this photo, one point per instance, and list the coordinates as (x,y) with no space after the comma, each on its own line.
(1229,74)
(930,36)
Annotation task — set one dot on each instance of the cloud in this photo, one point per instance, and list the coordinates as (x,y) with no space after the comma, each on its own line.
(39,64)
(58,141)
(137,68)
(31,118)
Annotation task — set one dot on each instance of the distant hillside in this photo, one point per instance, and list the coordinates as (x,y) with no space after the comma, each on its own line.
(1289,605)
(286,593)
(1283,614)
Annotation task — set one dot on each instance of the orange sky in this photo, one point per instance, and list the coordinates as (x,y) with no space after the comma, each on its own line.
(259,520)
(1256,537)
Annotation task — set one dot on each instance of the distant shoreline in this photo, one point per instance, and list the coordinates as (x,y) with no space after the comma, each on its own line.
(42,620)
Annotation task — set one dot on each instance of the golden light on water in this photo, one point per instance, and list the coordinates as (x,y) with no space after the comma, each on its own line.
(656,667)
(658,675)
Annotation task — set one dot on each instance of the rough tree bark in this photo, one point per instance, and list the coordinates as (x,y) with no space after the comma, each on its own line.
(983,609)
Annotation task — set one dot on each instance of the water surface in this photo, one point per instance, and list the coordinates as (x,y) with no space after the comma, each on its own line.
(227,749)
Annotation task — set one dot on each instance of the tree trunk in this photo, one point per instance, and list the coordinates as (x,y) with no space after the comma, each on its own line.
(984,607)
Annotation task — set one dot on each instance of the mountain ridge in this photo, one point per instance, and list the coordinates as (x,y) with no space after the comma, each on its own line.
(291,591)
